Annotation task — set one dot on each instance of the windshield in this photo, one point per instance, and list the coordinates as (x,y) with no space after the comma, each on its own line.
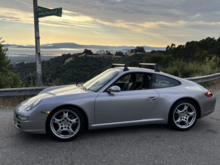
(100,80)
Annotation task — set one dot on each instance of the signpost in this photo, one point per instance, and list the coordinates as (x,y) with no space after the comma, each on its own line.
(37,45)
(43,12)
(40,12)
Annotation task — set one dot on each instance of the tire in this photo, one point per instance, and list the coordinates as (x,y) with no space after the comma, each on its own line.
(65,123)
(183,115)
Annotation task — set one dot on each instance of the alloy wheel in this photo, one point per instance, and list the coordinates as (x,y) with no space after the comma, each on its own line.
(184,115)
(65,124)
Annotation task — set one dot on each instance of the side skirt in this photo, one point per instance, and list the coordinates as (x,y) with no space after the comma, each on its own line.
(128,123)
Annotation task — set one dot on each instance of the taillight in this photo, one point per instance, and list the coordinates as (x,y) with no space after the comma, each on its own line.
(209,94)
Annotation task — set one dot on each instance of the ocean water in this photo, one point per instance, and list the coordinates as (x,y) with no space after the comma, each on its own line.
(17,55)
(44,52)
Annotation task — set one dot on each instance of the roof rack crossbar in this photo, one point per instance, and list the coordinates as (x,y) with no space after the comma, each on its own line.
(120,65)
(156,69)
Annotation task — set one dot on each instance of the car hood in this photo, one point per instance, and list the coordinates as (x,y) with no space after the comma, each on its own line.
(64,90)
(58,91)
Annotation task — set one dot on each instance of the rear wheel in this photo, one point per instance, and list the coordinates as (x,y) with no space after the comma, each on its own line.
(183,115)
(65,124)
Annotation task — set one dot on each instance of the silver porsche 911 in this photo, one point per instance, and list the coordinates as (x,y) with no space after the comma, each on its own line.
(119,96)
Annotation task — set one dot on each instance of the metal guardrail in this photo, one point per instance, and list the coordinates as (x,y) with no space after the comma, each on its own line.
(21,92)
(204,78)
(32,91)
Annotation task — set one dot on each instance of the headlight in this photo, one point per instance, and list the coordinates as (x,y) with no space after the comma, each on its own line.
(22,117)
(32,105)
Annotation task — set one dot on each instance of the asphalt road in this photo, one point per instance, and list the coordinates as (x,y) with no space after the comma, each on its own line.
(142,145)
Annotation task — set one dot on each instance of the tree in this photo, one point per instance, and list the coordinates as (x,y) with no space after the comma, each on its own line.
(107,52)
(86,51)
(140,49)
(119,53)
(172,46)
(103,52)
(8,79)
(133,63)
(130,51)
(167,48)
(4,62)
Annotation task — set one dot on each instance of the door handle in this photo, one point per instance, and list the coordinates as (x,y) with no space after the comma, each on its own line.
(152,98)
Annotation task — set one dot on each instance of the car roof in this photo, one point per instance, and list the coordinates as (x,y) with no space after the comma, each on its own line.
(137,69)
(134,69)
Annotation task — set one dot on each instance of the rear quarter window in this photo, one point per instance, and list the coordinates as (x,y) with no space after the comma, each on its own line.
(164,82)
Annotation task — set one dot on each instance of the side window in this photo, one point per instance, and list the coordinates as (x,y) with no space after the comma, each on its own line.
(143,81)
(163,82)
(123,82)
(124,79)
(134,81)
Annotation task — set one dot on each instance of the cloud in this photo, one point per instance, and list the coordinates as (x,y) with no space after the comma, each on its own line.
(13,15)
(195,16)
(139,11)
(160,28)
(97,32)
(24,2)
(5,28)
(77,20)
(72,20)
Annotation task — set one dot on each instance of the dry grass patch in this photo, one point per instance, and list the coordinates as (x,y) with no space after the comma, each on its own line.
(11,102)
(212,85)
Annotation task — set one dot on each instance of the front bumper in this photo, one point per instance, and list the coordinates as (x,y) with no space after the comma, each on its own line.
(36,122)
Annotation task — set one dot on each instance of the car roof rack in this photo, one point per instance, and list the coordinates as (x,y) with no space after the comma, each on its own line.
(156,69)
(120,65)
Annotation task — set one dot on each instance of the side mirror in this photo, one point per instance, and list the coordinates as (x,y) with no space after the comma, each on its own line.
(114,89)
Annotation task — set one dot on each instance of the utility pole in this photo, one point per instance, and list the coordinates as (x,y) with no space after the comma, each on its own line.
(37,45)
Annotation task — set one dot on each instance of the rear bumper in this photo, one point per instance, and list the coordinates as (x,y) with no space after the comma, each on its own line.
(207,106)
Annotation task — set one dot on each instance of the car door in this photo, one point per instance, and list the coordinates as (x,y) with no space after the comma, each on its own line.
(129,105)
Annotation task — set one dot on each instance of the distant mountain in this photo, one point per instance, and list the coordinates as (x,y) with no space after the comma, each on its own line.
(74,45)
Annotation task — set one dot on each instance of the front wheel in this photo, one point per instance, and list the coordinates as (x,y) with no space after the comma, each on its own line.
(65,124)
(183,115)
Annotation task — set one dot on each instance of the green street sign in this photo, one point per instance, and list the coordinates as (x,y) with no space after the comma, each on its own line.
(44,12)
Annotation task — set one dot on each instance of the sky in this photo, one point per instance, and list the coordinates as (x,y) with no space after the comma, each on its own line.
(155,23)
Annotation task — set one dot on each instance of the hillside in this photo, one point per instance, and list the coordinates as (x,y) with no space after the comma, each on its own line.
(55,71)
